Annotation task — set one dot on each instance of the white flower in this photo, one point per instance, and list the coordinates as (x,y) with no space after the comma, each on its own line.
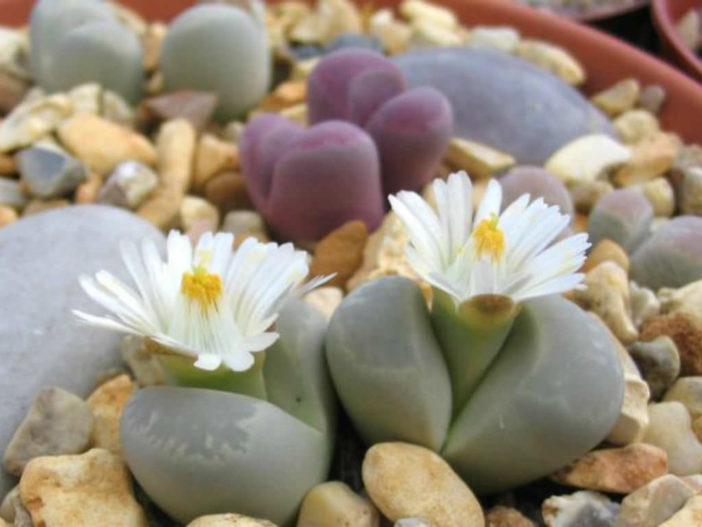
(504,254)
(208,302)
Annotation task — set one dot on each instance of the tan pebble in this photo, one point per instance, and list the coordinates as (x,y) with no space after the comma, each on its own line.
(227,191)
(8,166)
(660,194)
(194,209)
(334,503)
(688,391)
(232,131)
(651,157)
(652,98)
(328,21)
(480,161)
(145,366)
(506,517)
(211,157)
(7,215)
(297,113)
(635,125)
(686,299)
(81,491)
(102,144)
(586,158)
(653,503)
(37,206)
(325,299)
(117,110)
(501,38)
(151,42)
(618,98)
(107,404)
(407,481)
(644,303)
(86,98)
(421,10)
(587,193)
(607,250)
(303,68)
(33,119)
(229,520)
(176,147)
(689,516)
(686,331)
(615,470)
(154,84)
(552,58)
(394,34)
(340,252)
(426,34)
(286,94)
(87,191)
(670,428)
(244,224)
(633,417)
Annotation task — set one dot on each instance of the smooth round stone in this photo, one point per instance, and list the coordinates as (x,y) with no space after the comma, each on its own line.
(553,393)
(221,49)
(354,40)
(623,216)
(505,102)
(42,344)
(672,257)
(538,183)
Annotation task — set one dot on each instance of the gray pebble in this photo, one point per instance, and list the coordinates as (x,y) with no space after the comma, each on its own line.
(659,363)
(11,193)
(48,173)
(128,185)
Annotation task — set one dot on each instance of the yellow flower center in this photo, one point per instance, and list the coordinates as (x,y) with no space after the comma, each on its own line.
(202,287)
(489,239)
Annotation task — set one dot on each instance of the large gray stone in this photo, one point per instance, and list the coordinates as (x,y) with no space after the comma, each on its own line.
(41,344)
(505,102)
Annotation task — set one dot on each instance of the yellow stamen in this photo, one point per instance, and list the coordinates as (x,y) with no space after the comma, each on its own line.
(201,287)
(489,239)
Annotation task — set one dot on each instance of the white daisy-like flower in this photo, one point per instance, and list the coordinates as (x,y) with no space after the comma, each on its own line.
(508,254)
(208,302)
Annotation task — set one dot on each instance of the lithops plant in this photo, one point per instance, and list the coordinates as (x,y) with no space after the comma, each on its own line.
(72,41)
(623,216)
(247,422)
(502,376)
(221,49)
(672,256)
(538,183)
(369,136)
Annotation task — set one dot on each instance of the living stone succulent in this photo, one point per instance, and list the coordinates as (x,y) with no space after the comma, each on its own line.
(221,49)
(369,136)
(623,216)
(72,42)
(247,420)
(504,378)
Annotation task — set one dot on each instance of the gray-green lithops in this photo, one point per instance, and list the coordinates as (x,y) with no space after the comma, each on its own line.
(623,216)
(221,49)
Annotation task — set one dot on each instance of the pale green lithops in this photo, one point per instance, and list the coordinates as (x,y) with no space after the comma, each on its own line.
(503,377)
(72,41)
(222,49)
(248,421)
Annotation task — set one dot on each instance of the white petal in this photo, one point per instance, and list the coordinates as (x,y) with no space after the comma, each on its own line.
(208,361)
(491,202)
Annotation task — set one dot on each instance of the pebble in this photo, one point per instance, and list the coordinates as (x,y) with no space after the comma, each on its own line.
(352,40)
(659,363)
(11,194)
(583,508)
(244,224)
(479,160)
(102,144)
(12,92)
(635,125)
(194,106)
(145,366)
(81,491)
(325,299)
(151,41)
(691,191)
(33,119)
(14,511)
(587,193)
(652,98)
(607,294)
(615,470)
(331,19)
(411,522)
(659,192)
(8,166)
(689,29)
(501,38)
(87,192)
(334,503)
(688,391)
(552,58)
(607,251)
(394,34)
(194,209)
(37,206)
(586,158)
(58,422)
(687,299)
(29,360)
(623,215)
(7,215)
(420,10)
(176,147)
(670,428)
(117,110)
(506,517)
(107,404)
(653,503)
(7,509)
(650,158)
(227,191)
(618,98)
(686,331)
(229,520)
(405,480)
(130,183)
(49,174)
(212,156)
(689,516)
(340,252)
(426,34)
(644,303)
(86,98)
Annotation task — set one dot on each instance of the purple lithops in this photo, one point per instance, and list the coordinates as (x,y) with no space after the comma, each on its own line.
(538,183)
(369,136)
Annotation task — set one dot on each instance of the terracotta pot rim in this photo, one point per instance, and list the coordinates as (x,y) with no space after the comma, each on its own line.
(667,29)
(607,12)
